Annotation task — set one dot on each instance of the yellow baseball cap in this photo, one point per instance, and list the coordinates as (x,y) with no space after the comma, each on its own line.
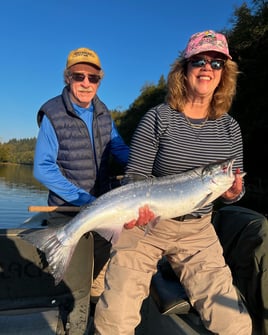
(83,55)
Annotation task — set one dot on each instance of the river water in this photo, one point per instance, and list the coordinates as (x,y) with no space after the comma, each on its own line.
(18,191)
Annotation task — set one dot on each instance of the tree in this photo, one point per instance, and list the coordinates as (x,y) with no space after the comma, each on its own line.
(248,41)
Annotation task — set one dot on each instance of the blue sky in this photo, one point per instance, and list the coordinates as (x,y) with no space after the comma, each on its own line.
(136,40)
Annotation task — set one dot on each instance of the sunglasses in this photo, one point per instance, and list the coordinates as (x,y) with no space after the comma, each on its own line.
(92,78)
(216,64)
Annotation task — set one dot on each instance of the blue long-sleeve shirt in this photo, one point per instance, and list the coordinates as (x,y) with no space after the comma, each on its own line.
(46,169)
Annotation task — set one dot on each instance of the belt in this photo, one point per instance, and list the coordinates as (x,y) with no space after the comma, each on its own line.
(186,217)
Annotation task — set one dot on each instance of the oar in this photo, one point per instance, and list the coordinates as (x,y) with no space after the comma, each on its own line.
(54,209)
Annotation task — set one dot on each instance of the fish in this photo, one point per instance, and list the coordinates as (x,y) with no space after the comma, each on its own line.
(168,197)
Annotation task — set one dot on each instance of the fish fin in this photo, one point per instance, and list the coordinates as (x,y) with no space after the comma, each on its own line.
(57,255)
(151,225)
(204,201)
(135,177)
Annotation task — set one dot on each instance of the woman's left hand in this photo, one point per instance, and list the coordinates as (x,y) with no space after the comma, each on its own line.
(145,216)
(234,191)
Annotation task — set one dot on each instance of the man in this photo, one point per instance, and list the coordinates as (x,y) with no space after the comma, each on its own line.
(76,138)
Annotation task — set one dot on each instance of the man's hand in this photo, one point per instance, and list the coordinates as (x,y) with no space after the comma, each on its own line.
(145,216)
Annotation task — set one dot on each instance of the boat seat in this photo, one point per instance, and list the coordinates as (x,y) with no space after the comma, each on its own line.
(243,233)
(167,291)
(30,303)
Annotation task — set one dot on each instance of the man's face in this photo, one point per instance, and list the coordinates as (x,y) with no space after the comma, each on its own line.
(84,81)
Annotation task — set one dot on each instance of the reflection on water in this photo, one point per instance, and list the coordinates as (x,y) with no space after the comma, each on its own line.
(18,190)
(19,175)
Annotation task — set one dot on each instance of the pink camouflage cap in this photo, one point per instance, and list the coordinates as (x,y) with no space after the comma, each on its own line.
(207,40)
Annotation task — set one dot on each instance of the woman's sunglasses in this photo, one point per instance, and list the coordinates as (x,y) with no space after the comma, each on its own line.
(92,78)
(216,64)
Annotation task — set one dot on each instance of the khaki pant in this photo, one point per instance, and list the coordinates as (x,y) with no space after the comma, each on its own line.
(194,252)
(97,286)
(101,256)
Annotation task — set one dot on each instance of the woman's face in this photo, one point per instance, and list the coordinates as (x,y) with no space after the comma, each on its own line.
(203,77)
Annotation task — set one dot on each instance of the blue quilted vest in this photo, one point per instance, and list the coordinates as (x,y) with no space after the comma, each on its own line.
(75,155)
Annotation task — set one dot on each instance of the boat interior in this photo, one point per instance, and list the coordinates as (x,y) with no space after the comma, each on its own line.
(30,303)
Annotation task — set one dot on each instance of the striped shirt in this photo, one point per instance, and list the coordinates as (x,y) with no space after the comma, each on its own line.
(166,142)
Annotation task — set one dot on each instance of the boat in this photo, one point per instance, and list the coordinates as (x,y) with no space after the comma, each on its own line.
(31,304)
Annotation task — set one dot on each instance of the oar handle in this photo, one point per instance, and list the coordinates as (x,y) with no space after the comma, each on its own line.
(53,209)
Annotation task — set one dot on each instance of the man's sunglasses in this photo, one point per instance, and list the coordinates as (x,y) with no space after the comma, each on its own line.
(92,78)
(216,64)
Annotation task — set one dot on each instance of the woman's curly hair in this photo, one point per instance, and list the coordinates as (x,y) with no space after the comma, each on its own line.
(222,98)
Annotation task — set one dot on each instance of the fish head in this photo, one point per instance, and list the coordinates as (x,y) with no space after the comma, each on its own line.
(220,175)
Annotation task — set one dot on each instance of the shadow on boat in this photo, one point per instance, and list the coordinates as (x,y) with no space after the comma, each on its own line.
(30,302)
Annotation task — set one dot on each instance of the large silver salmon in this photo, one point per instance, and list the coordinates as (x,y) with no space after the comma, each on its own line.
(168,197)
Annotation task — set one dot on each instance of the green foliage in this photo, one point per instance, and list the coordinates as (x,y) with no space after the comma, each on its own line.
(127,121)
(4,153)
(18,151)
(151,95)
(248,41)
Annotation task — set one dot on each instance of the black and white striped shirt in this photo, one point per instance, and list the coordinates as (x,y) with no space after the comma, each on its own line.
(165,143)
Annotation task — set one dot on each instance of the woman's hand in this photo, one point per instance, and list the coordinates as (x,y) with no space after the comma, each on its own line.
(234,191)
(145,216)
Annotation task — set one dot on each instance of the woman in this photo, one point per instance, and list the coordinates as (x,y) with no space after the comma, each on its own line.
(190,129)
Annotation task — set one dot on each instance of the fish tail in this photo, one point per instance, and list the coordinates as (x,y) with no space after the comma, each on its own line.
(57,255)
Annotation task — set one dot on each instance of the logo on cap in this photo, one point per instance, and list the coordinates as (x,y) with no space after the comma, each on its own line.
(207,40)
(83,55)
